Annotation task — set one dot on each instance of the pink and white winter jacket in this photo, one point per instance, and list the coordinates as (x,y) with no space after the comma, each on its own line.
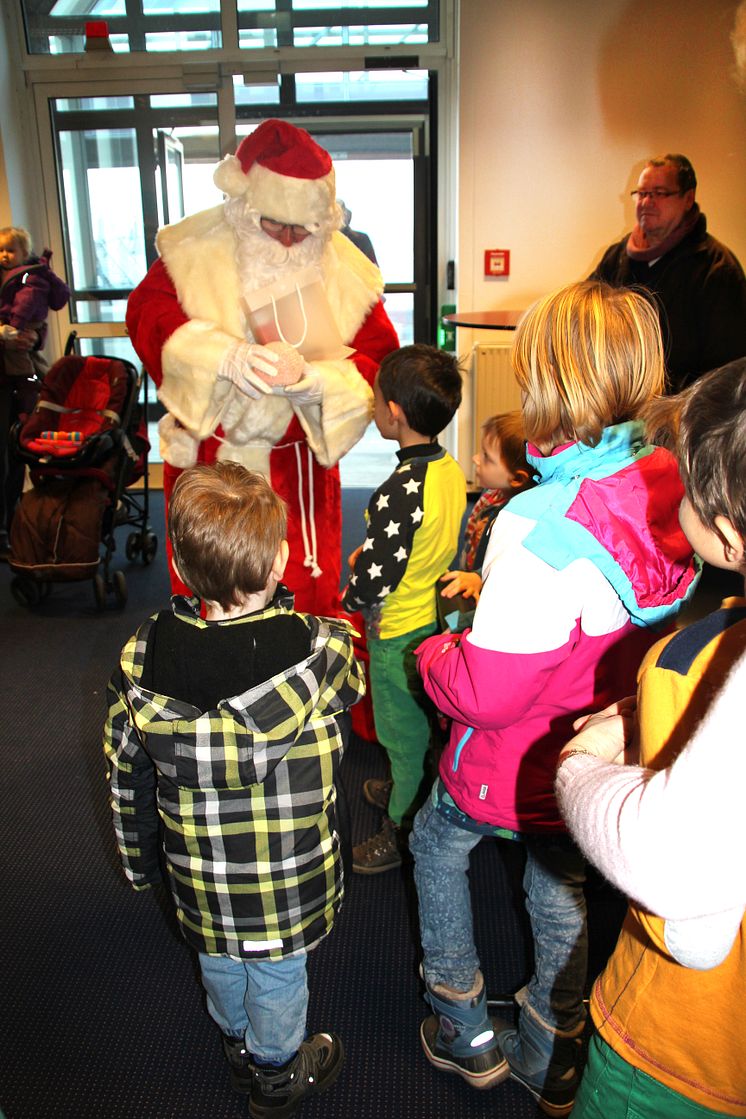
(581,574)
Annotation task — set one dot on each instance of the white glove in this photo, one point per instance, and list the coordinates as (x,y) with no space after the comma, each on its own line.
(309,390)
(239,364)
(8,333)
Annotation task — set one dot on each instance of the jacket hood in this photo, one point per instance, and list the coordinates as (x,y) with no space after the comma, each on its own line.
(616,504)
(256,728)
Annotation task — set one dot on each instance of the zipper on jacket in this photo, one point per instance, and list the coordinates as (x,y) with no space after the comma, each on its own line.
(464,739)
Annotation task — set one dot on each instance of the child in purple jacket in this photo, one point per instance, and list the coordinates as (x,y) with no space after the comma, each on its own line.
(28,290)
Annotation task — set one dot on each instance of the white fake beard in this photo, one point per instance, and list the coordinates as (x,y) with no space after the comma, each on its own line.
(260,258)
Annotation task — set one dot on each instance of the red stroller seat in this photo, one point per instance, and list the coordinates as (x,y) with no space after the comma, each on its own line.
(82,398)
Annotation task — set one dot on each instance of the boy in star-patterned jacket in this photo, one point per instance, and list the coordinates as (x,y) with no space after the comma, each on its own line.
(414,522)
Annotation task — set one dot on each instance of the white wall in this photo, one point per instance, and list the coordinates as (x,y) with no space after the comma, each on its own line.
(561,101)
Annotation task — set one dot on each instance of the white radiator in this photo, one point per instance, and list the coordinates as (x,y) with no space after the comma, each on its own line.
(495,388)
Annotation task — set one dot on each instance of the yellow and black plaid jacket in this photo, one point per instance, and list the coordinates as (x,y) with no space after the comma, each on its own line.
(245,792)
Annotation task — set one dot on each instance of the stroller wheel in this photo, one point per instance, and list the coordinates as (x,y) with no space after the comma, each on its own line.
(119,584)
(26,592)
(149,547)
(99,591)
(133,546)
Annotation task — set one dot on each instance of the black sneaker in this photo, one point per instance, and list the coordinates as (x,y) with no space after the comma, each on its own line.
(379,853)
(278,1093)
(377,792)
(241,1064)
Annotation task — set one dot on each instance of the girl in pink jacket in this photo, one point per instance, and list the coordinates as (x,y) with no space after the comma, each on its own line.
(580,574)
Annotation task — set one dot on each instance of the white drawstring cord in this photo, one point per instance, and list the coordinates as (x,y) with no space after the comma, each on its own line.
(303,313)
(310,553)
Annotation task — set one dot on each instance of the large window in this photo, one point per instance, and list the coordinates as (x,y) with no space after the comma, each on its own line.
(135,139)
(59,26)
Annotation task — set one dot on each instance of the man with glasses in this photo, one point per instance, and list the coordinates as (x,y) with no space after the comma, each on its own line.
(190,323)
(698,284)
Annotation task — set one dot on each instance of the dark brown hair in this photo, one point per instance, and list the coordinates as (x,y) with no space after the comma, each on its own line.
(226,525)
(712,445)
(425,383)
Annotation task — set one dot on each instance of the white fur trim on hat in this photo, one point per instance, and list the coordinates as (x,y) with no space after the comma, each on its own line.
(308,202)
(229,177)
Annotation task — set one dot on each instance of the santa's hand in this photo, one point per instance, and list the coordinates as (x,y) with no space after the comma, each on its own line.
(239,364)
(309,390)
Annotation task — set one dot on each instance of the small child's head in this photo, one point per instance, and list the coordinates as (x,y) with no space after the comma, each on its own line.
(15,247)
(712,463)
(586,356)
(424,385)
(501,463)
(227,528)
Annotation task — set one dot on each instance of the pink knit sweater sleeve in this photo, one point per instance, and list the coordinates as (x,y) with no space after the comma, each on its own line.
(675,840)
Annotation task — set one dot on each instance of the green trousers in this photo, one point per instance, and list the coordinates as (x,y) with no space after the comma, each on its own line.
(613,1089)
(402,713)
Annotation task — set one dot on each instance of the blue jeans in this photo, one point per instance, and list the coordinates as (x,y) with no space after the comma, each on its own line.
(553,883)
(263,1001)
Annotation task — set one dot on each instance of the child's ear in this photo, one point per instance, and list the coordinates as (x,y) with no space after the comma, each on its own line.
(395,411)
(733,542)
(281,560)
(519,479)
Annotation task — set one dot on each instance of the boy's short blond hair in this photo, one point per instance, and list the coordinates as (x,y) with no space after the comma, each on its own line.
(507,431)
(226,525)
(586,356)
(21,236)
(712,445)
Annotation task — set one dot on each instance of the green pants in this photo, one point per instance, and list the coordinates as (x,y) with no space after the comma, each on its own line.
(401,712)
(613,1089)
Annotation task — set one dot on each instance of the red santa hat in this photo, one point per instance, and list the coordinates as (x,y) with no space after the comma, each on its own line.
(283,174)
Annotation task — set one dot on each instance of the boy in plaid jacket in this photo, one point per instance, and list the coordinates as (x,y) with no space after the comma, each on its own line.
(227,726)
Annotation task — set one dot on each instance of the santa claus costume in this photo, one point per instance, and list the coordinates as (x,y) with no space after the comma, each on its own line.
(188,322)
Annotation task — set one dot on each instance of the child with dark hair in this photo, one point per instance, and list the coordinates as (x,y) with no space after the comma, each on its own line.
(659,832)
(503,471)
(227,727)
(413,525)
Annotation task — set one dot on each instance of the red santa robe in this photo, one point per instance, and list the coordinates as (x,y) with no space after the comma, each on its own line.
(183,319)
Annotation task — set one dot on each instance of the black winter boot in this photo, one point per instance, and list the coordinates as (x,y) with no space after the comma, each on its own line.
(277,1093)
(240,1062)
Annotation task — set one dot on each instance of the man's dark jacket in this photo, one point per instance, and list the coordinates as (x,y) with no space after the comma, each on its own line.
(700,290)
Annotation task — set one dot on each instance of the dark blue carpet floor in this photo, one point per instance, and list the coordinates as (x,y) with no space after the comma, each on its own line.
(102,1013)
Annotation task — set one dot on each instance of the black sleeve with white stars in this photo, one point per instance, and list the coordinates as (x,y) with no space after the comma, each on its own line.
(394,514)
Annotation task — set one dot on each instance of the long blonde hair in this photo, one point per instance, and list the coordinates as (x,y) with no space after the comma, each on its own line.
(586,356)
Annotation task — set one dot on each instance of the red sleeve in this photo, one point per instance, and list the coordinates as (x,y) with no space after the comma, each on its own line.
(375,338)
(153,314)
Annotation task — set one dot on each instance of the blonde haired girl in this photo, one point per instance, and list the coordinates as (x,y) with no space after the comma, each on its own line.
(578,571)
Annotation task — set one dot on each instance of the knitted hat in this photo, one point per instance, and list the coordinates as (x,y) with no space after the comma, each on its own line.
(283,174)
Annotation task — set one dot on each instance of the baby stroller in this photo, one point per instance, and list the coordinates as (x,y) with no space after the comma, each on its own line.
(84,444)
